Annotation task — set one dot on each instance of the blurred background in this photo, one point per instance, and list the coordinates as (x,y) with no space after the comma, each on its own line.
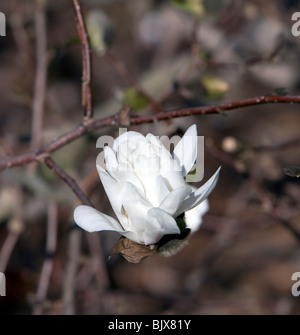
(181,54)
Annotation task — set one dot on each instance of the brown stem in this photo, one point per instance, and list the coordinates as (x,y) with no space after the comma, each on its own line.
(87,102)
(68,180)
(140,119)
(40,77)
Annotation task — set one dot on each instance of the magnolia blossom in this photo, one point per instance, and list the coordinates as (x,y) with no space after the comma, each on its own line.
(146,188)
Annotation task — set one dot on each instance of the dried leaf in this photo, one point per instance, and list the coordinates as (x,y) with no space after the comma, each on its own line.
(132,251)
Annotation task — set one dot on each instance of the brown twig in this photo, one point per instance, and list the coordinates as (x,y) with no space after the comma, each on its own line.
(95,124)
(7,249)
(68,180)
(87,101)
(48,262)
(73,255)
(40,76)
(15,227)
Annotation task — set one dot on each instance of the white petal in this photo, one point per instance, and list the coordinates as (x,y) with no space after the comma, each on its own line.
(114,193)
(110,159)
(129,137)
(171,172)
(200,194)
(193,217)
(154,186)
(186,150)
(159,223)
(155,189)
(173,200)
(123,176)
(153,140)
(92,220)
(136,208)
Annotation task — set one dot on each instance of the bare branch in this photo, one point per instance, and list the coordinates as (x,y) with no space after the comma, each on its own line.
(74,245)
(40,76)
(95,124)
(68,180)
(87,100)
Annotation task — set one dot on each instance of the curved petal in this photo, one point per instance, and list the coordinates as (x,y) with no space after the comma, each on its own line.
(173,200)
(127,176)
(114,193)
(92,220)
(130,137)
(136,208)
(200,194)
(193,217)
(186,150)
(171,172)
(159,223)
(147,170)
(111,161)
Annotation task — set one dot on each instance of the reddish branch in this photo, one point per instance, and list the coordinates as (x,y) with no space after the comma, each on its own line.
(95,124)
(87,102)
(68,180)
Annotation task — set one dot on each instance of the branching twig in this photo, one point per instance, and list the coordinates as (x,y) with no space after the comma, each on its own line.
(140,119)
(87,100)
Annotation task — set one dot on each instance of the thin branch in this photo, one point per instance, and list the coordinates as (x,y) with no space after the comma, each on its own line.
(74,245)
(87,101)
(68,180)
(40,76)
(217,109)
(48,262)
(95,124)
(7,249)
(15,227)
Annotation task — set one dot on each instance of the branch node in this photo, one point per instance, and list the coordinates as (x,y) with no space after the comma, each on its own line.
(41,157)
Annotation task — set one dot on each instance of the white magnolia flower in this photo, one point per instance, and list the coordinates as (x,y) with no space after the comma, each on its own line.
(147,190)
